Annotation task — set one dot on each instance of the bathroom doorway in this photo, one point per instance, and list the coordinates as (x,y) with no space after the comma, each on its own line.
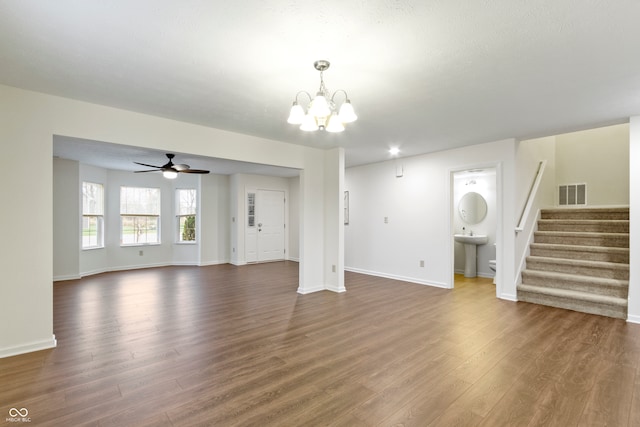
(474,223)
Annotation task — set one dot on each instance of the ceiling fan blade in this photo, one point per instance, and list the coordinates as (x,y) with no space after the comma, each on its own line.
(181,167)
(193,171)
(151,170)
(150,166)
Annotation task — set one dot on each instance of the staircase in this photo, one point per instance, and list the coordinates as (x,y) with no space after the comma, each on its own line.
(580,261)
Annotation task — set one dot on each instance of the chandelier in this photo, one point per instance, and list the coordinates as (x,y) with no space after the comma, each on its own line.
(322,111)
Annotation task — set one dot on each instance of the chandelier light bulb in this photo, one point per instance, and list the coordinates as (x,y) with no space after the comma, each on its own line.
(296,115)
(319,106)
(309,123)
(334,124)
(347,115)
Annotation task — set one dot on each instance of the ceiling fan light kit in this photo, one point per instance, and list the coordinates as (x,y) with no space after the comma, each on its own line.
(322,111)
(170,170)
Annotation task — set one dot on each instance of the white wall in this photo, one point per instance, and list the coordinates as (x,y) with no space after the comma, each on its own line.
(294,218)
(67,211)
(419,211)
(598,157)
(215,223)
(29,122)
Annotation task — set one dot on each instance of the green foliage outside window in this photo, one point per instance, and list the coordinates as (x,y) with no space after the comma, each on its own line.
(189,229)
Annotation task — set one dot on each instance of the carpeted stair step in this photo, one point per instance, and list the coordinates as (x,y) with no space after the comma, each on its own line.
(612,240)
(574,300)
(608,270)
(586,253)
(586,213)
(591,226)
(594,285)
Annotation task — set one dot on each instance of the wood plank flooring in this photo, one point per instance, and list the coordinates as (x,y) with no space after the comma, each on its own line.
(226,346)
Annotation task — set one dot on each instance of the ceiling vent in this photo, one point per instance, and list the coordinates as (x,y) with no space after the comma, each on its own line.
(572,195)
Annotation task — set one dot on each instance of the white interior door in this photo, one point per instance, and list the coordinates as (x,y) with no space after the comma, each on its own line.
(270,225)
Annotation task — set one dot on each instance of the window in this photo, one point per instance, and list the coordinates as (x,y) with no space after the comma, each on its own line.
(251,209)
(186,214)
(139,216)
(92,215)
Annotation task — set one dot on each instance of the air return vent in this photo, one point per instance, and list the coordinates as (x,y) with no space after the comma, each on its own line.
(572,195)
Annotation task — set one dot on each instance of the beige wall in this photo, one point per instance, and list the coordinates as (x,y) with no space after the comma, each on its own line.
(599,158)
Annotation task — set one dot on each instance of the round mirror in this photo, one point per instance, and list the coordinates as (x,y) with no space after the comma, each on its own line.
(472,208)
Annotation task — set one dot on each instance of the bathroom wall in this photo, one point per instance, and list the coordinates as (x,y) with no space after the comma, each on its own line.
(484,183)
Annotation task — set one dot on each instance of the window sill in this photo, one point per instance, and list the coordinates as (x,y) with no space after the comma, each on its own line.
(186,243)
(93,248)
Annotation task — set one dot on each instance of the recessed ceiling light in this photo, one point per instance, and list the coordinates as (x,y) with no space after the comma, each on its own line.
(394,151)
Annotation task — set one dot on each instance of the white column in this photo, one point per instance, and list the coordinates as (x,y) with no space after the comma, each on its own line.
(334,219)
(312,225)
(634,220)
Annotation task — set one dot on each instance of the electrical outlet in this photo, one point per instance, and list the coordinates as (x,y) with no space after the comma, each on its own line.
(386,220)
(421,263)
(140,253)
(333,268)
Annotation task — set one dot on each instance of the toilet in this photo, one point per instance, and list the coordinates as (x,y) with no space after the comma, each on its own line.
(492,266)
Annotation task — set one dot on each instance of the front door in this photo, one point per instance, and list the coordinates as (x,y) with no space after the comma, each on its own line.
(265,239)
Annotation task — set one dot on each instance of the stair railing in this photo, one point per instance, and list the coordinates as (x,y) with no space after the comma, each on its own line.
(533,192)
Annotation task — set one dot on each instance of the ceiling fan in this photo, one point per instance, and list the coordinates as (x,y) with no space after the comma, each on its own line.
(170,170)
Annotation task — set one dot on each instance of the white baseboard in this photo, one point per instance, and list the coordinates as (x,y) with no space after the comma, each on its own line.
(206,263)
(336,289)
(68,277)
(28,347)
(478,274)
(310,290)
(396,277)
(508,297)
(136,267)
(633,318)
(139,266)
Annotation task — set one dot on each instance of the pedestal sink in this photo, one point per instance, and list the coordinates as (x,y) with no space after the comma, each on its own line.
(470,242)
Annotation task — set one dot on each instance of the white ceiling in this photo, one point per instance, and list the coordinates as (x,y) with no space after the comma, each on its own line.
(423,75)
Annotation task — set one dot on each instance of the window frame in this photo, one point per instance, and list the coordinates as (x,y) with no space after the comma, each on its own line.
(98,216)
(179,215)
(135,217)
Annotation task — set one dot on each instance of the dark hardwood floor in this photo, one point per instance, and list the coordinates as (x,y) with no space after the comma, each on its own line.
(226,345)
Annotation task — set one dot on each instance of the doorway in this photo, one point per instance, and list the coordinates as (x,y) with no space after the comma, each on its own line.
(475,213)
(265,234)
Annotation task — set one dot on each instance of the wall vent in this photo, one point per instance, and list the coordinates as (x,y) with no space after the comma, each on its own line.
(572,195)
